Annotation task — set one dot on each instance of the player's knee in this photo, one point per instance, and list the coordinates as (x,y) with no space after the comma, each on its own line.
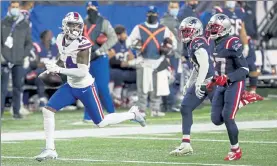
(185,110)
(217,120)
(48,112)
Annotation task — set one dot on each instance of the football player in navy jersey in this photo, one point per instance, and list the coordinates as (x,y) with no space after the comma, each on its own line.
(231,70)
(237,18)
(191,31)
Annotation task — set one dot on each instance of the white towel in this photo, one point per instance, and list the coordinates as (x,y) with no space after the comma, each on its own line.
(163,83)
(147,79)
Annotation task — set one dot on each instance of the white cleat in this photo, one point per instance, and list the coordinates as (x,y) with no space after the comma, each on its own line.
(157,114)
(182,150)
(138,116)
(47,154)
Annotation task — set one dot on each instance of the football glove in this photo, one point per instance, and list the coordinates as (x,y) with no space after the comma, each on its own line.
(198,92)
(220,80)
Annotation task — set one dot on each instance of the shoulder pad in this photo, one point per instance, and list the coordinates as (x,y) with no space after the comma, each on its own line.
(83,43)
(198,42)
(37,47)
(233,43)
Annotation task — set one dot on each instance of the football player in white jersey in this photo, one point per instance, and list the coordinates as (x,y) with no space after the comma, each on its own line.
(74,63)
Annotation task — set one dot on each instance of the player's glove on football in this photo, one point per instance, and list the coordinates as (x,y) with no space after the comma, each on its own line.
(52,67)
(198,92)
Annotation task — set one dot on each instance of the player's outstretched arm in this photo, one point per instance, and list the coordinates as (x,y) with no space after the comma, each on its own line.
(82,63)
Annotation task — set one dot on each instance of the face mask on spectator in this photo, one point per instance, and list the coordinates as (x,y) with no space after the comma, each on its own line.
(92,15)
(152,19)
(193,6)
(173,12)
(14,12)
(230,4)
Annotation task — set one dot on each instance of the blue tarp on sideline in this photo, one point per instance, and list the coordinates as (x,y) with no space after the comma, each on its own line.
(50,17)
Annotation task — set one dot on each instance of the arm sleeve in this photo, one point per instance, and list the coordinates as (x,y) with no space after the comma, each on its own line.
(242,71)
(111,35)
(192,78)
(203,60)
(80,72)
(28,43)
(135,35)
(169,34)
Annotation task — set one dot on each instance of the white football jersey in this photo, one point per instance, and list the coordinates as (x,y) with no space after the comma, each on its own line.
(68,54)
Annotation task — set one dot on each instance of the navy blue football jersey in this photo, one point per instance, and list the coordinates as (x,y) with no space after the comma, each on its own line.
(228,55)
(236,18)
(121,54)
(194,45)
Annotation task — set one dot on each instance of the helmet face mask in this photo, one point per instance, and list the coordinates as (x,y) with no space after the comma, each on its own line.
(218,26)
(190,28)
(73,25)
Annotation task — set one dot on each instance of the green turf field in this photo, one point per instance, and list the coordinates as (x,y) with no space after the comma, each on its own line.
(259,145)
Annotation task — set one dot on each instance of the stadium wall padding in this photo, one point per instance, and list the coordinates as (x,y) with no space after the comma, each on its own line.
(50,17)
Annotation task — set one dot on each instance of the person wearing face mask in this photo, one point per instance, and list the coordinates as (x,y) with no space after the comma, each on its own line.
(16,44)
(151,34)
(96,27)
(170,20)
(121,70)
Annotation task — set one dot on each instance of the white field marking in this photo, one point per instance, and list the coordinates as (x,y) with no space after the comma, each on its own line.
(128,161)
(162,134)
(117,131)
(215,132)
(256,130)
(10,142)
(196,140)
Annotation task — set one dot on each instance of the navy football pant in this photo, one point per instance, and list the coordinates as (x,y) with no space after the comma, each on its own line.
(224,108)
(66,95)
(189,103)
(99,69)
(17,82)
(119,76)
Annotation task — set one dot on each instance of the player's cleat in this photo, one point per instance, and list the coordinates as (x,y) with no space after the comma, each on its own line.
(157,113)
(47,154)
(247,97)
(235,154)
(182,150)
(138,116)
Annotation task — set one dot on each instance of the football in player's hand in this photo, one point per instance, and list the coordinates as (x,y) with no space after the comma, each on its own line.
(101,39)
(51,79)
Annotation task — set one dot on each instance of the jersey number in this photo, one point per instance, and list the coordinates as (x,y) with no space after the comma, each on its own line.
(236,26)
(69,63)
(122,56)
(221,65)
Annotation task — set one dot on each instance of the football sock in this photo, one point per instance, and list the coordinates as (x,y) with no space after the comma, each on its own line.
(186,138)
(115,118)
(49,128)
(235,147)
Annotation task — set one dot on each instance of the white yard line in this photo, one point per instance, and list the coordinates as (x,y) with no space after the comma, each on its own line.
(128,161)
(117,131)
(196,140)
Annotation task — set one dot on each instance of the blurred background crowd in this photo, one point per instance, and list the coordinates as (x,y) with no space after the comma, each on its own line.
(28,31)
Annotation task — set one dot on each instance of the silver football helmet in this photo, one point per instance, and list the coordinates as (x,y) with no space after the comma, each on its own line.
(219,25)
(190,28)
(73,25)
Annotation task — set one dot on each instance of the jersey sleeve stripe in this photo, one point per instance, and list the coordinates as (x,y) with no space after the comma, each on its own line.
(37,47)
(229,42)
(218,9)
(243,11)
(199,37)
(84,45)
